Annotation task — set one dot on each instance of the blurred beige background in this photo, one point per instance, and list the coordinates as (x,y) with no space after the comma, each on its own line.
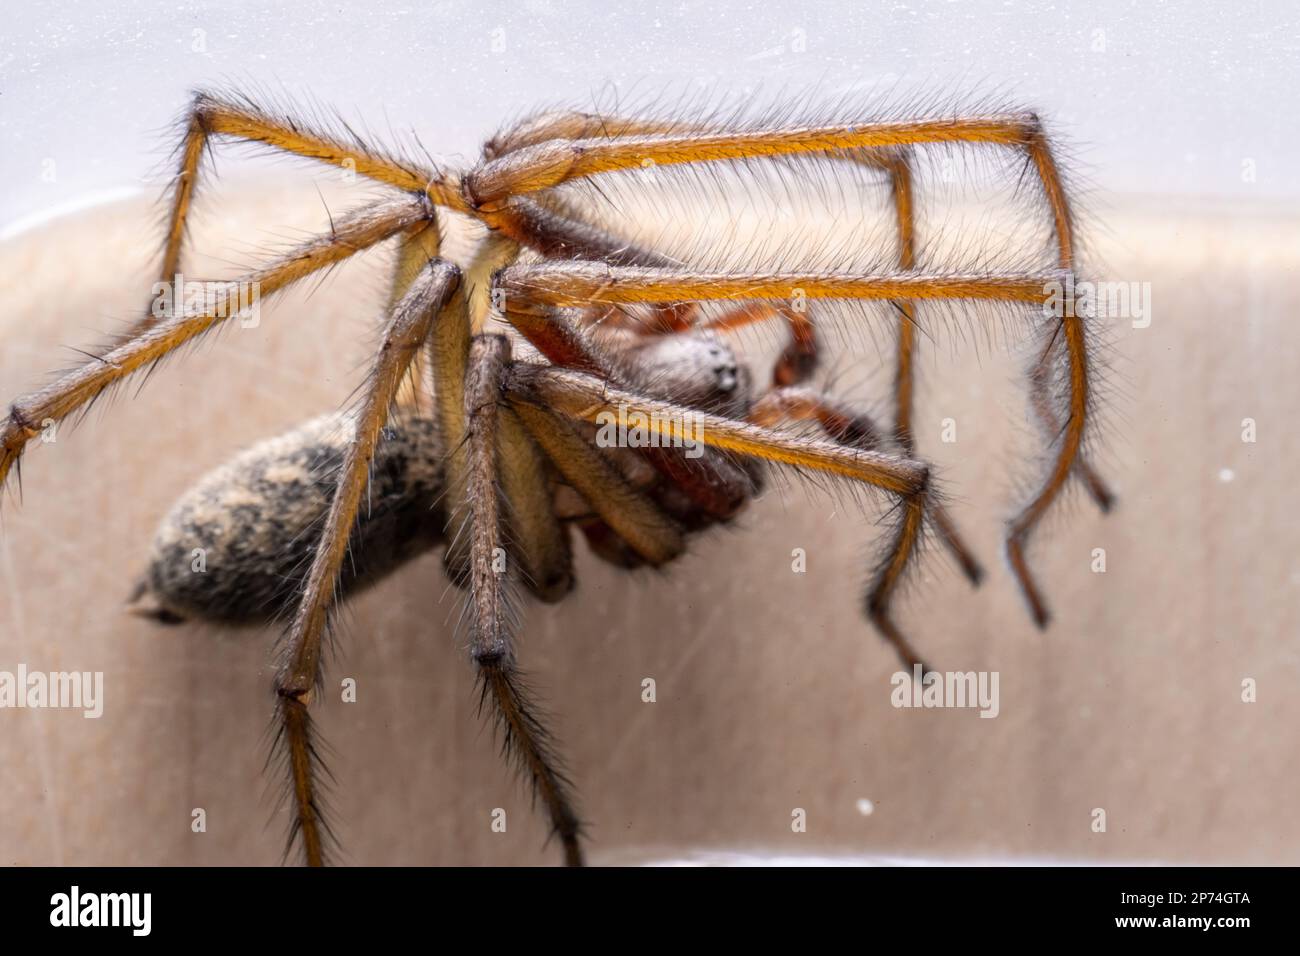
(773,694)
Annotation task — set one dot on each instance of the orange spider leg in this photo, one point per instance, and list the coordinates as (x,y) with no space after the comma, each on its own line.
(552,162)
(539,540)
(212,116)
(492,645)
(300,669)
(143,348)
(853,427)
(586,398)
(565,284)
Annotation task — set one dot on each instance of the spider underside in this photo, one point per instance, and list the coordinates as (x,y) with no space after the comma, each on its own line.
(455,441)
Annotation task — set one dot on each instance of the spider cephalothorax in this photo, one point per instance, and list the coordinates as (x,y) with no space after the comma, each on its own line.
(612,405)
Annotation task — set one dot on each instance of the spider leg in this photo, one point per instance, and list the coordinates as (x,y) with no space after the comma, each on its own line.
(800,357)
(418,247)
(554,161)
(545,225)
(883,145)
(576,284)
(900,179)
(81,386)
(797,362)
(637,520)
(854,428)
(586,398)
(566,284)
(575,124)
(1041,398)
(525,221)
(550,162)
(540,540)
(492,646)
(896,163)
(1069,442)
(1041,155)
(556,232)
(846,425)
(1076,361)
(211,115)
(299,673)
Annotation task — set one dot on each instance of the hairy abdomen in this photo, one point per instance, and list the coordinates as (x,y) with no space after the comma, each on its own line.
(234,549)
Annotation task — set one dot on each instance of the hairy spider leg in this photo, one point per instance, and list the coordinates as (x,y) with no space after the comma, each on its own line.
(577,283)
(550,162)
(537,538)
(492,646)
(79,387)
(586,397)
(301,670)
(211,116)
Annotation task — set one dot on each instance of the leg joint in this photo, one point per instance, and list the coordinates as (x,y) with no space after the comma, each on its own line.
(21,426)
(921,486)
(494,657)
(294,690)
(201,110)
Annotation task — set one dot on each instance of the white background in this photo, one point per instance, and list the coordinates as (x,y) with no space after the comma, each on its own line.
(1158,98)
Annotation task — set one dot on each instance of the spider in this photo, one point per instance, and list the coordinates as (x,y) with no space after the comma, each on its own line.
(504,455)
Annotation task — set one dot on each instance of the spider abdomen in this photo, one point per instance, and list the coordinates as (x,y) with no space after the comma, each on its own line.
(235,547)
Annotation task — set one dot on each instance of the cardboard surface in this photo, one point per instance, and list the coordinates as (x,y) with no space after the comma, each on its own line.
(772,693)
